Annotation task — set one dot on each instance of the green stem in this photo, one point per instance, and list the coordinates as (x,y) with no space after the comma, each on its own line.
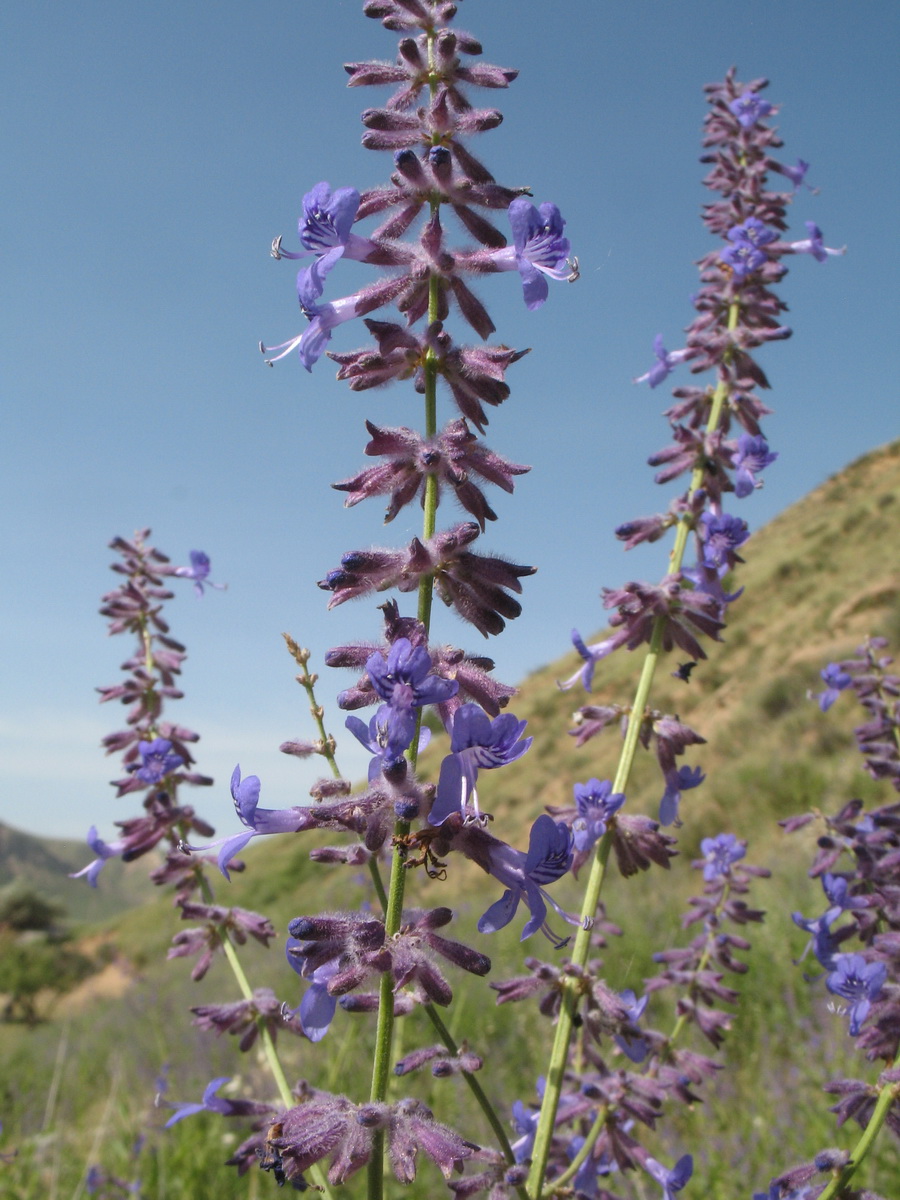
(476,1089)
(587,1145)
(265,1035)
(271,1053)
(570,985)
(385,1030)
(888,1093)
(326,745)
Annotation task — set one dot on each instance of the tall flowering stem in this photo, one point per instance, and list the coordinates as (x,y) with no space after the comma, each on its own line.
(737,313)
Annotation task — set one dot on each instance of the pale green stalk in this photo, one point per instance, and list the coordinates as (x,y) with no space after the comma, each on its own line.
(394,910)
(265,1035)
(569,983)
(887,1094)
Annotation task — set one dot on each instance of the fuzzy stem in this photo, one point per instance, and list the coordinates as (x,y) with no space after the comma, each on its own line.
(393,913)
(570,995)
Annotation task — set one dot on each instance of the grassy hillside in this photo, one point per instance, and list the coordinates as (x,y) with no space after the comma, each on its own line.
(818,579)
(43,865)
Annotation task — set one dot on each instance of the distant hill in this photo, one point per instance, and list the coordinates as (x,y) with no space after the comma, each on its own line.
(44,864)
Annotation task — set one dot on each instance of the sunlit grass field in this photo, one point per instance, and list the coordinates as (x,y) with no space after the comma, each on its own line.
(79,1090)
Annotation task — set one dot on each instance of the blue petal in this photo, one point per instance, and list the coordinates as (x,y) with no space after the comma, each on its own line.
(317,1009)
(500,913)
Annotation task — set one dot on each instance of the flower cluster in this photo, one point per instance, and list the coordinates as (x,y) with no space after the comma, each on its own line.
(604,1101)
(737,312)
(878,691)
(155,753)
(856,940)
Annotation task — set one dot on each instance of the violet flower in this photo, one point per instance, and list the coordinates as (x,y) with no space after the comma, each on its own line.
(671,1181)
(324,231)
(157,761)
(835,680)
(539,250)
(591,656)
(823,943)
(311,343)
(404,678)
(476,743)
(744,255)
(103,850)
(677,781)
(317,1008)
(245,794)
(387,736)
(633,1047)
(719,853)
(721,535)
(796,174)
(525,1122)
(596,802)
(549,857)
(859,981)
(753,455)
(198,571)
(210,1103)
(665,361)
(814,244)
(749,108)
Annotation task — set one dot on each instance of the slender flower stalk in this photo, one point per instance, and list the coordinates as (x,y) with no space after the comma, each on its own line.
(737,312)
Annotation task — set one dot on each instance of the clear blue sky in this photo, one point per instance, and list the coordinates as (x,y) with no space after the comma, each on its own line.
(152,150)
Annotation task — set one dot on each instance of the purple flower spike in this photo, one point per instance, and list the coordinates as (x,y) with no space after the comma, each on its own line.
(671,1181)
(719,853)
(103,850)
(859,981)
(753,455)
(198,571)
(539,250)
(157,761)
(750,108)
(476,743)
(665,361)
(210,1103)
(549,856)
(835,681)
(814,244)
